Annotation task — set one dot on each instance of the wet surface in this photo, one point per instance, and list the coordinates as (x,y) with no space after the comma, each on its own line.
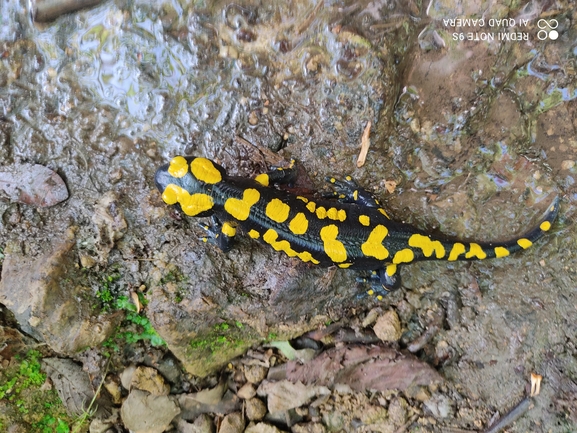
(478,136)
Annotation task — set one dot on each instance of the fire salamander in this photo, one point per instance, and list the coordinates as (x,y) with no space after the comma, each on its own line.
(349,230)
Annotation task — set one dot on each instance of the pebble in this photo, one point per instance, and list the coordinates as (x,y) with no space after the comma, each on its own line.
(202,424)
(440,406)
(232,423)
(255,373)
(398,411)
(142,412)
(148,379)
(388,327)
(247,391)
(255,409)
(310,427)
(262,427)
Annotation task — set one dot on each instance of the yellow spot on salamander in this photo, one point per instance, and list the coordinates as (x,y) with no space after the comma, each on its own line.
(344,265)
(228,229)
(545,225)
(178,167)
(427,245)
(333,248)
(337,215)
(253,234)
(391,270)
(524,243)
(299,224)
(204,170)
(277,211)
(321,213)
(311,207)
(355,195)
(305,256)
(191,205)
(405,255)
(240,209)
(475,250)
(270,237)
(384,213)
(263,179)
(456,251)
(374,247)
(501,252)
(365,220)
(304,199)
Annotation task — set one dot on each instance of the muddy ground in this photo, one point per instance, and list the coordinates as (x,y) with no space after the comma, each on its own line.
(473,136)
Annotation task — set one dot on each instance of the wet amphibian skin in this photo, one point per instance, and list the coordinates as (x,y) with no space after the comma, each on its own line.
(349,230)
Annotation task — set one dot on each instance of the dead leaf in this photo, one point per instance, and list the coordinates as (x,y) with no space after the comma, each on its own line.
(363,368)
(71,382)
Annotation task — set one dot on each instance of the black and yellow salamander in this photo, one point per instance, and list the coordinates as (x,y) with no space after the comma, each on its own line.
(349,230)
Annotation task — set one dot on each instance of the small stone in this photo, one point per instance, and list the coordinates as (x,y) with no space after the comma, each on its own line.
(568,164)
(262,427)
(388,326)
(440,406)
(148,379)
(253,118)
(398,411)
(142,412)
(202,424)
(309,427)
(126,376)
(247,391)
(113,387)
(232,423)
(255,409)
(255,373)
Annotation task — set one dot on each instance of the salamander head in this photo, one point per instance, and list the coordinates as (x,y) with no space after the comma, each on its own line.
(187,181)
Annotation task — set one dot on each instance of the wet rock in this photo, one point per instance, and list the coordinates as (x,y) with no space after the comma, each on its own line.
(41,293)
(388,327)
(255,409)
(202,424)
(232,423)
(148,379)
(142,412)
(285,395)
(32,184)
(255,373)
(262,427)
(247,391)
(309,427)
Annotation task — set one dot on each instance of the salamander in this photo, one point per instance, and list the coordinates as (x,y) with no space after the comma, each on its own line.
(349,230)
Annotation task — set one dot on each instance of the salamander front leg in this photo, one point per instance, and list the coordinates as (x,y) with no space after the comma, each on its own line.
(221,235)
(278,175)
(348,191)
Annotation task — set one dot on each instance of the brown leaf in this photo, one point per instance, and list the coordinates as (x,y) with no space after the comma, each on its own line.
(363,368)
(71,382)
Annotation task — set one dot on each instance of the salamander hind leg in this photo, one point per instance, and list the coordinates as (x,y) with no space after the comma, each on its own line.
(221,235)
(278,175)
(382,282)
(348,191)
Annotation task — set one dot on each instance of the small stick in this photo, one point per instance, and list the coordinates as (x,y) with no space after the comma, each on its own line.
(365,143)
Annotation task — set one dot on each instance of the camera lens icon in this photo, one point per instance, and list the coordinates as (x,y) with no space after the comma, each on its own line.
(547,29)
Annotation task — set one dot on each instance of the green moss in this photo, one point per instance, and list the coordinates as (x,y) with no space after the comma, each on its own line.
(24,403)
